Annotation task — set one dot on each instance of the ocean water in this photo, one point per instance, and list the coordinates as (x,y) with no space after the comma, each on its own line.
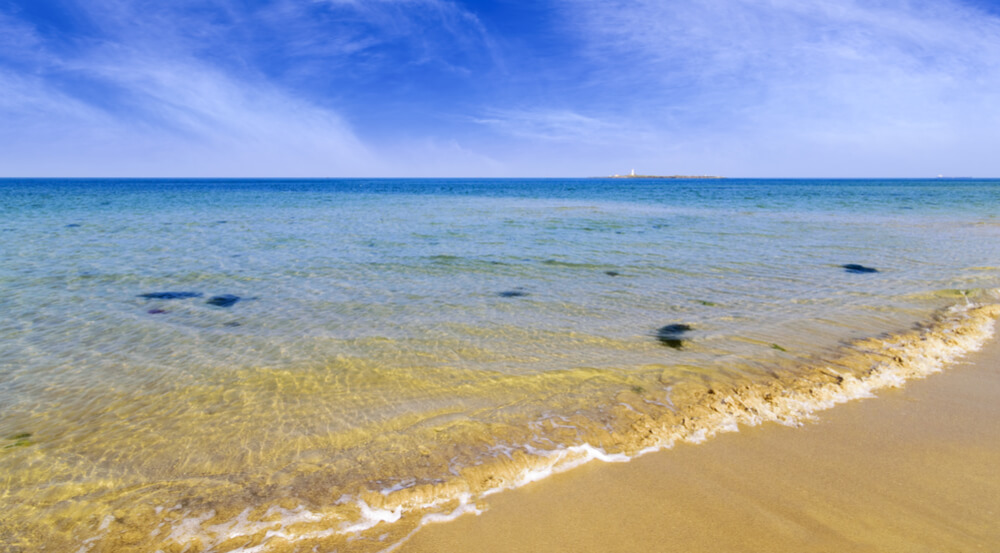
(398,350)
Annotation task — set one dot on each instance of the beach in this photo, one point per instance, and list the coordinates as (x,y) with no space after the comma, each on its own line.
(467,277)
(912,470)
(338,365)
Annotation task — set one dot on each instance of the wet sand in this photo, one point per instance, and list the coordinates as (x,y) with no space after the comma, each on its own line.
(917,469)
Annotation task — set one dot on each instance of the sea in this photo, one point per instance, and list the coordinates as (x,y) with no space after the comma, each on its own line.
(329,365)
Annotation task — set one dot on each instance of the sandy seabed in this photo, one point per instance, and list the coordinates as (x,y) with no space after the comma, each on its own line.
(915,470)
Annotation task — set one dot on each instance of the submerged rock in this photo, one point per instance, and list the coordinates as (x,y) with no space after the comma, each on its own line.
(224,300)
(858,269)
(170,295)
(670,335)
(678,328)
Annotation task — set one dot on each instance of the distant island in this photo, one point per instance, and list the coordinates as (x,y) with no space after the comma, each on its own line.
(632,175)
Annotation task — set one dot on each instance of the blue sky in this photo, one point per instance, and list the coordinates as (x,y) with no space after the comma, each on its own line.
(389,88)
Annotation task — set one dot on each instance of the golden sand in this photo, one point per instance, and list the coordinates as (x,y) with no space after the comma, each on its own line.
(917,469)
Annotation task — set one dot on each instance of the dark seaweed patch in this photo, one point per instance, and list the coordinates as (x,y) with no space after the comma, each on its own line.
(224,300)
(858,269)
(170,295)
(19,440)
(512,294)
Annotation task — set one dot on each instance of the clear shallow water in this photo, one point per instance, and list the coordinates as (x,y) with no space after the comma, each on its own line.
(432,340)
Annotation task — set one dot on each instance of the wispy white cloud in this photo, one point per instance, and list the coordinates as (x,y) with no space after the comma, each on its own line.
(352,34)
(782,86)
(167,104)
(184,119)
(17,35)
(556,125)
(164,111)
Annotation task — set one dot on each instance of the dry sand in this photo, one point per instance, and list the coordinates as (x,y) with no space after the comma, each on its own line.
(916,470)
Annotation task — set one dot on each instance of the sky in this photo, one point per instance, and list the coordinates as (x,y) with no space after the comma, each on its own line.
(502,88)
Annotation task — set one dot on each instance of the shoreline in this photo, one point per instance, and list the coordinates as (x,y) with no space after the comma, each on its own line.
(912,470)
(391,518)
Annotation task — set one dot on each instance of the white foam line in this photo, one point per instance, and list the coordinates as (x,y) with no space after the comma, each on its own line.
(465,507)
(370,518)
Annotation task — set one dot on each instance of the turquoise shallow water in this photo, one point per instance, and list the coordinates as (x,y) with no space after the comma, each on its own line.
(395,334)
